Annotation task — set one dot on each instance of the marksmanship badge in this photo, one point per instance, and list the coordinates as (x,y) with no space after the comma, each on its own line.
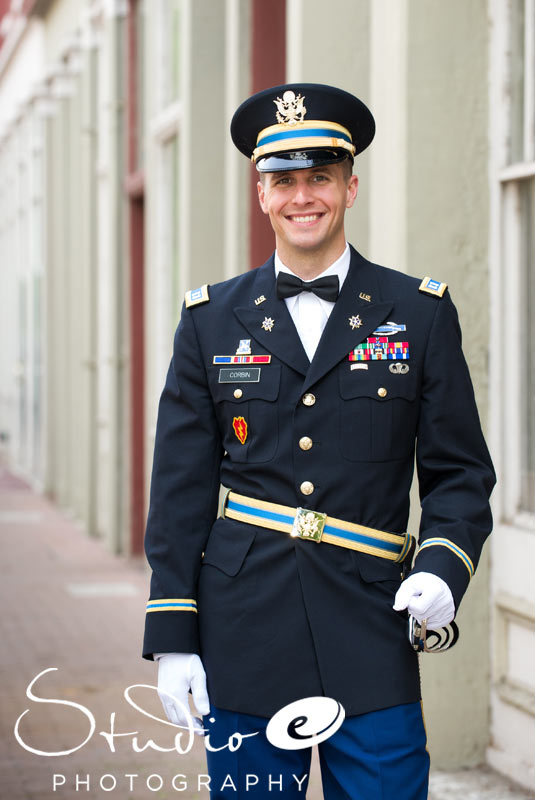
(290,109)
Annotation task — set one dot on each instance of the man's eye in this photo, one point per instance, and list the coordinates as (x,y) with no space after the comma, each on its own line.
(319,178)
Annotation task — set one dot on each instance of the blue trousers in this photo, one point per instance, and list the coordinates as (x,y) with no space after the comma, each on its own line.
(377,756)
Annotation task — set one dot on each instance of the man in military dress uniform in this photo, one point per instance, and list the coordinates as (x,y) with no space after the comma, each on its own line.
(307,387)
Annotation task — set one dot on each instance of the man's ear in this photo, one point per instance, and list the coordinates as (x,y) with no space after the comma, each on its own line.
(262,196)
(352,189)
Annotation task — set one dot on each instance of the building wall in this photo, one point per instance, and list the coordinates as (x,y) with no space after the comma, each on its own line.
(338,54)
(447,237)
(63,18)
(512,267)
(64,407)
(22,71)
(21,359)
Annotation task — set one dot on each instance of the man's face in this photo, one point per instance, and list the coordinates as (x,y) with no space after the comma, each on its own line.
(306,208)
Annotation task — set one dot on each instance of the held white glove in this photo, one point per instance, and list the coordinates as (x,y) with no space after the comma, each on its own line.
(426,596)
(177,674)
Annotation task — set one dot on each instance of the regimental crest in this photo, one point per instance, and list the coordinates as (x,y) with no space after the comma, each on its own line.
(290,109)
(244,348)
(240,428)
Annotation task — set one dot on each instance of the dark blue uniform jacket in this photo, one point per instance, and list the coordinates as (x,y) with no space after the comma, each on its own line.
(276,618)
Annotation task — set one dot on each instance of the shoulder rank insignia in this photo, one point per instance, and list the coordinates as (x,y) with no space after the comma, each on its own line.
(432,286)
(197,296)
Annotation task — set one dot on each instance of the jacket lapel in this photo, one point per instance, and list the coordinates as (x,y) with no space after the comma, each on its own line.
(352,319)
(282,340)
(360,300)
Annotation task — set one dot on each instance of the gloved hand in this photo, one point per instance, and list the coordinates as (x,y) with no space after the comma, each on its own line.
(177,674)
(426,596)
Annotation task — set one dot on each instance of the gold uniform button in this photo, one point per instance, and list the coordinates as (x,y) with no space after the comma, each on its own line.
(305,443)
(238,393)
(309,399)
(382,392)
(307,487)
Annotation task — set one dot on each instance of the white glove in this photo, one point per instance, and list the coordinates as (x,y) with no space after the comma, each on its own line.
(177,674)
(426,596)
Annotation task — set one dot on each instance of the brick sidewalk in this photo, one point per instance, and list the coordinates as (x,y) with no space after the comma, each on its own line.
(70,605)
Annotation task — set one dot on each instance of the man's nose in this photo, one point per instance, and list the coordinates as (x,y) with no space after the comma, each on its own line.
(303,193)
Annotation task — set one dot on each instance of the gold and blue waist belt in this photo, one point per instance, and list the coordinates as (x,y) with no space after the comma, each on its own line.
(316,526)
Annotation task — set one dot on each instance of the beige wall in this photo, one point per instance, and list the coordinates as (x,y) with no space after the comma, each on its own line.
(335,50)
(62,20)
(447,235)
(203,136)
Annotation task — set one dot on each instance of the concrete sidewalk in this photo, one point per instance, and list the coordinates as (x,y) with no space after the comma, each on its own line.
(75,610)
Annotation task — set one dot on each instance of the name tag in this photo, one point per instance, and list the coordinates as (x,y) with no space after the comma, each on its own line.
(250,375)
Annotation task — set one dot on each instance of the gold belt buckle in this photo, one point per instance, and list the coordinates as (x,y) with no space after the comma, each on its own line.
(308,524)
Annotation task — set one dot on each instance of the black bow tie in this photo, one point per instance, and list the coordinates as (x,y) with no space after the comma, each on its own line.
(289,285)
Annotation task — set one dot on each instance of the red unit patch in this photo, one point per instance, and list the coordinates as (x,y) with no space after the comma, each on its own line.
(240,428)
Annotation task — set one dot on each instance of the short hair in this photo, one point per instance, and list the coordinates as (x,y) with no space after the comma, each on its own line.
(348,167)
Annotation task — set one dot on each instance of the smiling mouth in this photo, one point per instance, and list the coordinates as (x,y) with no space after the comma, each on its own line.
(304,218)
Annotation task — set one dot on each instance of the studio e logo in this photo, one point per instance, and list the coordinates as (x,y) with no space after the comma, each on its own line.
(300,724)
(305,723)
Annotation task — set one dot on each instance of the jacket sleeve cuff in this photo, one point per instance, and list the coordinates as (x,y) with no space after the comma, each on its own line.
(170,632)
(444,558)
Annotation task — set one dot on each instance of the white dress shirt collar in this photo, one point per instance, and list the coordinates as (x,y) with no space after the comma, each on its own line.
(308,311)
(340,268)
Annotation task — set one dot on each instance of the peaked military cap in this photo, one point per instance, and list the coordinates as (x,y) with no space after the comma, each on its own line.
(300,125)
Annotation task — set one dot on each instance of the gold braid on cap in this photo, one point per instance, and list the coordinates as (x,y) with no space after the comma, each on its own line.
(302,136)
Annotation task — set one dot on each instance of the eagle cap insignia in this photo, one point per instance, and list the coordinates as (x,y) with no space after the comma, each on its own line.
(290,109)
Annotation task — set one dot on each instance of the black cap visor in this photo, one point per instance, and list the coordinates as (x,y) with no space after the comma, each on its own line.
(301,159)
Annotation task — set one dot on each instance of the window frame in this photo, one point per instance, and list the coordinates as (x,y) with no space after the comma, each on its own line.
(506,241)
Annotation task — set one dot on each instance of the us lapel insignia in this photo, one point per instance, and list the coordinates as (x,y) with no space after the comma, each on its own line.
(355,322)
(259,300)
(366,297)
(240,428)
(268,323)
